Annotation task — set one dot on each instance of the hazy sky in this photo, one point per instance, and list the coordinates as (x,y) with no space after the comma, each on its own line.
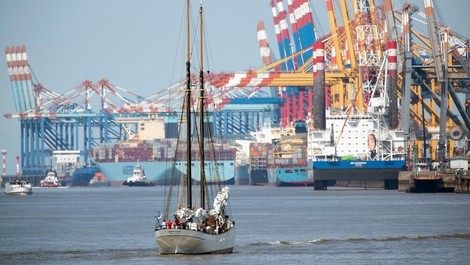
(133,43)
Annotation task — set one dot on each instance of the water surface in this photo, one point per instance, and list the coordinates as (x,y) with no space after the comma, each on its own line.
(274,226)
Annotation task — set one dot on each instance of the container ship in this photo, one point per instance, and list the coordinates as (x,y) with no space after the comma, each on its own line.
(242,165)
(117,161)
(156,154)
(279,156)
(290,157)
(354,149)
(258,163)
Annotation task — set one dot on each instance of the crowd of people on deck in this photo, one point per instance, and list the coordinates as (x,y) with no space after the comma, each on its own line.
(210,225)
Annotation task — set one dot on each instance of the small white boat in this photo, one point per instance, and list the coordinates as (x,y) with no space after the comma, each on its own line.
(18,186)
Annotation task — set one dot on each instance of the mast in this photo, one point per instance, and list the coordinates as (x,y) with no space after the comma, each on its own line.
(188,112)
(201,110)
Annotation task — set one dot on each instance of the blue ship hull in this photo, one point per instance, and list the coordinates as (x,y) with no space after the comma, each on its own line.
(259,177)
(243,175)
(381,173)
(281,177)
(292,176)
(160,172)
(81,177)
(357,169)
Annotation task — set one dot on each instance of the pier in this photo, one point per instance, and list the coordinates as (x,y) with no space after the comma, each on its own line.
(457,181)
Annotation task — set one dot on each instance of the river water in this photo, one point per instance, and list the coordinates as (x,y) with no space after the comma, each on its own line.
(273,226)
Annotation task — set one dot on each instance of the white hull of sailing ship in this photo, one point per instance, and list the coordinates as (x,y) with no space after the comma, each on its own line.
(18,187)
(185,241)
(199,231)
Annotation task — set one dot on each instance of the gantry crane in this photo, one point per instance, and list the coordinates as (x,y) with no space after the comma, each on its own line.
(97,113)
(354,52)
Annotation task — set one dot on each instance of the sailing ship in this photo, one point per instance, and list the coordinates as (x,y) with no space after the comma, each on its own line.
(200,230)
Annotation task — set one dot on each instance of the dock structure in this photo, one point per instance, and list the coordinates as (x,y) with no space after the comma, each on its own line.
(462,183)
(457,181)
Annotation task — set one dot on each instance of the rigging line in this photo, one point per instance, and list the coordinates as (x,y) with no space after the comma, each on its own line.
(170,178)
(174,169)
(197,136)
(215,158)
(207,48)
(178,45)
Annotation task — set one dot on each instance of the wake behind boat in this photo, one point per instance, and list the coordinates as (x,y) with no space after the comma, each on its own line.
(195,229)
(18,187)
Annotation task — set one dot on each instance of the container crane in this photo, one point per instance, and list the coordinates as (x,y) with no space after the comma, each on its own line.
(93,113)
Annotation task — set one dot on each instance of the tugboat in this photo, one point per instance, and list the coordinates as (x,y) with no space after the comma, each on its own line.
(138,178)
(51,180)
(18,187)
